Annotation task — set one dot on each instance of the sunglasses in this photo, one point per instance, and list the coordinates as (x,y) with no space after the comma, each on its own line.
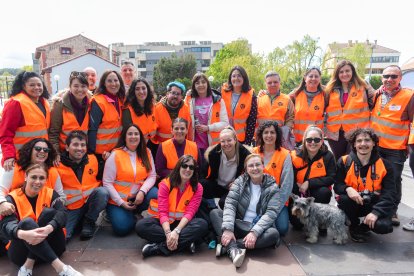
(390,76)
(39,149)
(185,166)
(316,140)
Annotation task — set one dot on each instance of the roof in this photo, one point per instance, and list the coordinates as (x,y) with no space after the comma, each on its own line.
(408,65)
(377,49)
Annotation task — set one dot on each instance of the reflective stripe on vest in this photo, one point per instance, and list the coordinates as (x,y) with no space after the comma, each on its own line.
(276,111)
(164,122)
(147,124)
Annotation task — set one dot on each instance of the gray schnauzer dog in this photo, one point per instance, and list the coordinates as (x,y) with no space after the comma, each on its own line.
(317,215)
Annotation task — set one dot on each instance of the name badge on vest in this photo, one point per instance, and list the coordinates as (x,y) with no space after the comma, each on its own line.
(395,107)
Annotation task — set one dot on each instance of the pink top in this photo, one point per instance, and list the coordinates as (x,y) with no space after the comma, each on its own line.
(192,207)
(201,109)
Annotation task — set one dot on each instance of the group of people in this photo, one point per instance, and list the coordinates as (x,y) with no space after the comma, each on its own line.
(94,149)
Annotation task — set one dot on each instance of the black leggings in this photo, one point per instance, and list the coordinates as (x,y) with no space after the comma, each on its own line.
(46,251)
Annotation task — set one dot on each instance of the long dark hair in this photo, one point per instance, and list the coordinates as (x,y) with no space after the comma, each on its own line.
(175,177)
(131,99)
(246,84)
(25,154)
(302,85)
(141,149)
(260,130)
(196,78)
(21,80)
(102,88)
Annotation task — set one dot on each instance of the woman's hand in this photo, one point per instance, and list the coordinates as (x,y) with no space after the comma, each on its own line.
(32,237)
(304,187)
(172,240)
(6,209)
(250,240)
(227,237)
(201,128)
(105,155)
(139,198)
(128,206)
(56,162)
(8,164)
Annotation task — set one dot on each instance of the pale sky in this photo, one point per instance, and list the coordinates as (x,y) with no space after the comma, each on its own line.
(28,24)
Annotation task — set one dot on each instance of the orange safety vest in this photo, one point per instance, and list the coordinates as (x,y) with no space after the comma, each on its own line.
(77,193)
(69,124)
(306,115)
(36,125)
(176,209)
(24,208)
(125,178)
(272,112)
(164,123)
(170,153)
(241,112)
(147,124)
(317,168)
(353,179)
(19,178)
(355,112)
(110,128)
(386,122)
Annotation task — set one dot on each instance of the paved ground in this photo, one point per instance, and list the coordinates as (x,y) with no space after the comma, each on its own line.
(391,254)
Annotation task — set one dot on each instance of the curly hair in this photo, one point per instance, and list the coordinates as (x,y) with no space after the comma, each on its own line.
(131,99)
(22,78)
(352,135)
(261,129)
(175,177)
(25,154)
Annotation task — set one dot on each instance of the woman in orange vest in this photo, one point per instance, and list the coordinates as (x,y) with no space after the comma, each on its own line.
(314,167)
(105,117)
(350,99)
(169,151)
(310,101)
(172,226)
(208,112)
(278,164)
(241,104)
(25,116)
(70,111)
(37,151)
(139,109)
(129,177)
(36,229)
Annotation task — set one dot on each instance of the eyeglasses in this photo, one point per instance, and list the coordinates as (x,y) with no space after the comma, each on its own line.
(177,94)
(185,166)
(254,165)
(39,149)
(310,139)
(390,76)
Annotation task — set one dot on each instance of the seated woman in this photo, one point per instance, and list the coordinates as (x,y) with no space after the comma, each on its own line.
(315,168)
(250,211)
(172,226)
(36,229)
(169,151)
(129,176)
(36,151)
(278,164)
(224,164)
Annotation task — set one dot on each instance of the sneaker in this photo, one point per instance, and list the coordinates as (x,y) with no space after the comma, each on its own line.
(356,235)
(409,226)
(88,229)
(237,256)
(395,220)
(220,250)
(192,248)
(151,249)
(69,271)
(105,216)
(23,271)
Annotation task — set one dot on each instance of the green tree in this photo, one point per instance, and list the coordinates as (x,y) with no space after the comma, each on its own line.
(375,81)
(173,68)
(27,68)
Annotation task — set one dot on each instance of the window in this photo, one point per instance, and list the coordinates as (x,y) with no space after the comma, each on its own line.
(385,59)
(131,54)
(91,51)
(66,51)
(205,63)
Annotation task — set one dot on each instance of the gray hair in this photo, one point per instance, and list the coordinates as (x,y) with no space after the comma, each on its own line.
(272,74)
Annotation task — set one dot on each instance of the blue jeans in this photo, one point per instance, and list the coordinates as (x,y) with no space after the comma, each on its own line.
(282,221)
(122,220)
(95,204)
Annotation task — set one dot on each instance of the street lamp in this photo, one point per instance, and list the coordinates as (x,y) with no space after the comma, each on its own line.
(210,78)
(56,78)
(370,64)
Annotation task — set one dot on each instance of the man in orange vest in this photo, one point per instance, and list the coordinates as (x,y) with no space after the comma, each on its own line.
(365,186)
(390,118)
(85,197)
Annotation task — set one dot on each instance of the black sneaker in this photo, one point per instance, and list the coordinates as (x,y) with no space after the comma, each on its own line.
(395,220)
(151,249)
(88,229)
(192,248)
(356,235)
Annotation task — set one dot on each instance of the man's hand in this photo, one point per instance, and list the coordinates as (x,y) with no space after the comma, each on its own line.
(354,195)
(370,220)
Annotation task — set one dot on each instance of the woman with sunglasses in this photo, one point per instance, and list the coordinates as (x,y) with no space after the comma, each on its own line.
(129,177)
(36,228)
(172,226)
(25,116)
(350,99)
(70,111)
(278,164)
(310,101)
(37,151)
(314,167)
(169,151)
(105,117)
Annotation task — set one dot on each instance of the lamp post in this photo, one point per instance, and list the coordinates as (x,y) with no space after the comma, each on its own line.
(57,78)
(370,64)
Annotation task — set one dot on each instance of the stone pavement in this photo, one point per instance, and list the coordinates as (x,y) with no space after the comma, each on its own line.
(105,254)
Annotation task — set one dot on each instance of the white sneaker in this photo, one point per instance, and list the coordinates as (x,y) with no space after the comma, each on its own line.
(69,271)
(409,226)
(23,271)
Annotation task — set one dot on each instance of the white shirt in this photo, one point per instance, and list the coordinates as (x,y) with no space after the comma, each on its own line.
(255,191)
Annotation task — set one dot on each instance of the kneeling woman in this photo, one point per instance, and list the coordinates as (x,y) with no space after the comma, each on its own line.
(36,229)
(172,226)
(250,211)
(129,176)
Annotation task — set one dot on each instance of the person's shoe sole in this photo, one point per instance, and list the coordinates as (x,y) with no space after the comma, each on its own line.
(192,248)
(238,260)
(408,228)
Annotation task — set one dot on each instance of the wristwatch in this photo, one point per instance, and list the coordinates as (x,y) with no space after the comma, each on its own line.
(178,230)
